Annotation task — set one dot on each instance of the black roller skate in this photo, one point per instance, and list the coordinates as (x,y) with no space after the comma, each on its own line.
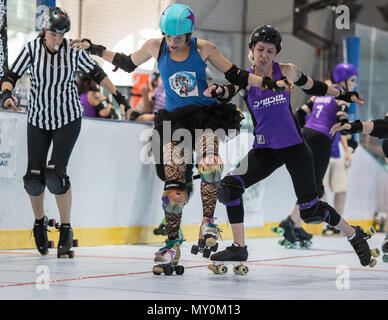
(233,255)
(286,229)
(210,232)
(385,250)
(303,238)
(167,258)
(360,245)
(330,231)
(66,241)
(40,234)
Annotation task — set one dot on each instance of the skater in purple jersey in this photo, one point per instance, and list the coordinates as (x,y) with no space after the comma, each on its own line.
(277,144)
(325,112)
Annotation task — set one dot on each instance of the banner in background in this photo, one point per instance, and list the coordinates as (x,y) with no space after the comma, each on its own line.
(3,36)
(353,56)
(7,148)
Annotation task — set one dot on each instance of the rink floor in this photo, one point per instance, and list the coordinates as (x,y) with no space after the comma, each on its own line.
(329,270)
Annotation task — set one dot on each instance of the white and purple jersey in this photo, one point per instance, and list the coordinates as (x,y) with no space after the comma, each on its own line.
(272,117)
(323,116)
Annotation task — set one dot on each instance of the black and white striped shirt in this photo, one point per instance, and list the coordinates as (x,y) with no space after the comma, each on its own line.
(53,98)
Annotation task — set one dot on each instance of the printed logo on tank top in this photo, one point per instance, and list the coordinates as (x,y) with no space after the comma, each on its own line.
(269,102)
(260,139)
(184,84)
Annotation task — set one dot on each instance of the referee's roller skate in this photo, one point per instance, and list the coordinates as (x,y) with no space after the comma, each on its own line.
(162,230)
(303,238)
(40,234)
(66,241)
(360,245)
(167,258)
(286,229)
(385,250)
(207,242)
(234,255)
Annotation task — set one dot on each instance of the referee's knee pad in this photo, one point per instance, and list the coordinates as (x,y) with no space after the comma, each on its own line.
(210,169)
(315,212)
(34,181)
(230,190)
(174,197)
(57,180)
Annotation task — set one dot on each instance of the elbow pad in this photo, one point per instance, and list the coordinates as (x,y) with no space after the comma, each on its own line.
(97,74)
(237,78)
(380,128)
(124,62)
(319,89)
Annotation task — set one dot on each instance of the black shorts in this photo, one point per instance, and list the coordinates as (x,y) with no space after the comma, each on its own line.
(39,141)
(298,159)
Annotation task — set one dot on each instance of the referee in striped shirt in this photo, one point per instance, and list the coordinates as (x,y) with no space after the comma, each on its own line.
(54,115)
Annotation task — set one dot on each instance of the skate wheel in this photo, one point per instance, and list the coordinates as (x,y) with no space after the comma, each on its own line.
(385,258)
(214,249)
(371,231)
(194,249)
(213,268)
(157,271)
(168,271)
(375,252)
(51,244)
(71,254)
(241,269)
(281,242)
(52,223)
(206,253)
(210,242)
(75,243)
(308,244)
(156,232)
(201,242)
(222,269)
(179,270)
(372,263)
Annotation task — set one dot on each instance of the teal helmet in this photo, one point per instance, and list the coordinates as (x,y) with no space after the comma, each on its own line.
(177,19)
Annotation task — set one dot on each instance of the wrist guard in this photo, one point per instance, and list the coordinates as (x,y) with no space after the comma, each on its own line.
(356,127)
(120,99)
(347,95)
(270,84)
(6,94)
(94,49)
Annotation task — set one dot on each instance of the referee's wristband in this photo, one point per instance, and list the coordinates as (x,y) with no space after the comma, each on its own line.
(4,96)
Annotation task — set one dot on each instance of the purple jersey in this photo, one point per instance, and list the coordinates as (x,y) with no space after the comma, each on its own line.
(323,115)
(272,116)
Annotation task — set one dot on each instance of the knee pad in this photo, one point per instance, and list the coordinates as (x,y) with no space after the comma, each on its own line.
(56,179)
(315,212)
(210,169)
(34,181)
(173,200)
(230,190)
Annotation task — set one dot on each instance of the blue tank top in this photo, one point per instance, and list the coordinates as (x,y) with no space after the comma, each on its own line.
(274,124)
(184,81)
(335,151)
(323,116)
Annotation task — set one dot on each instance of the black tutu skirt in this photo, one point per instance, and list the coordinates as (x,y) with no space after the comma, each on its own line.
(215,116)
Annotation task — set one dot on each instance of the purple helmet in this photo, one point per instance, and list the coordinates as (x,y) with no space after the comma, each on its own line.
(343,72)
